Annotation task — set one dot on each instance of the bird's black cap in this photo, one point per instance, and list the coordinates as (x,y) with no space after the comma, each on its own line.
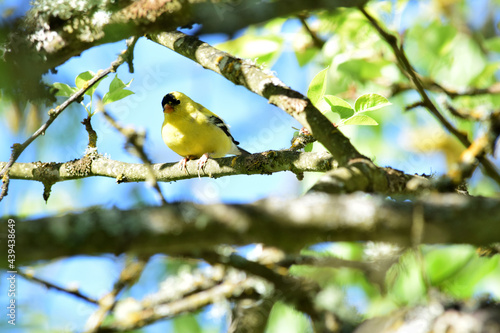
(170,100)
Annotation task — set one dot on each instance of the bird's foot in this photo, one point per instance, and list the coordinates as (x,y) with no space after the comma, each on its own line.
(201,163)
(182,164)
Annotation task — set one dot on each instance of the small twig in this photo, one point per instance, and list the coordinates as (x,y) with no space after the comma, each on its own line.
(129,275)
(91,132)
(431,85)
(479,148)
(136,140)
(50,285)
(318,42)
(414,105)
(303,138)
(129,56)
(404,63)
(473,116)
(17,149)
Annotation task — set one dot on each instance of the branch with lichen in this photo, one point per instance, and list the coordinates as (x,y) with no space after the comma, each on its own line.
(173,228)
(128,276)
(408,70)
(51,33)
(97,165)
(179,295)
(347,179)
(17,148)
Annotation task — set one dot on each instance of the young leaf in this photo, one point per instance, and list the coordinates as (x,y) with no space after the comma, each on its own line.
(117,84)
(370,102)
(64,90)
(116,95)
(360,119)
(340,106)
(116,91)
(82,79)
(317,87)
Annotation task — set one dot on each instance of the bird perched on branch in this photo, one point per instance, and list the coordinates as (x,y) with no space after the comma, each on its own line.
(192,131)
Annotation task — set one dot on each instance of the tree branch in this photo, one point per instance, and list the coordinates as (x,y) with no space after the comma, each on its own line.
(49,285)
(263,83)
(409,71)
(448,218)
(97,165)
(17,149)
(50,34)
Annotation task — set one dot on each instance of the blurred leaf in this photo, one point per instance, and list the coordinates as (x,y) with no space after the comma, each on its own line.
(116,91)
(444,263)
(487,76)
(266,49)
(340,106)
(274,25)
(360,119)
(186,323)
(370,102)
(363,69)
(465,283)
(308,148)
(317,87)
(306,55)
(407,286)
(493,44)
(283,318)
(63,89)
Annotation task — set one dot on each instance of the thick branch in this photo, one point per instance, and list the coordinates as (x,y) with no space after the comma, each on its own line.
(51,34)
(488,167)
(97,165)
(182,227)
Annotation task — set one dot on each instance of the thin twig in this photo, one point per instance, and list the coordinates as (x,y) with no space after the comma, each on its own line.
(17,149)
(136,140)
(129,275)
(318,42)
(404,63)
(431,85)
(50,285)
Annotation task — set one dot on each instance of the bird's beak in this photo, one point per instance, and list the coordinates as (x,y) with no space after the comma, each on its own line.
(168,109)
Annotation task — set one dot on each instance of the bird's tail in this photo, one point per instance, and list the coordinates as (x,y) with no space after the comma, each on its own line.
(243,151)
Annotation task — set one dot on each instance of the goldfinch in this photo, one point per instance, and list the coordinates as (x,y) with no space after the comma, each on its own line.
(192,131)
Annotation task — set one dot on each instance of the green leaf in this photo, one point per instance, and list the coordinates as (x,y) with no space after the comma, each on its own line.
(340,106)
(186,323)
(116,95)
(83,78)
(360,119)
(493,44)
(317,87)
(265,48)
(117,84)
(305,56)
(370,102)
(445,263)
(63,89)
(309,147)
(116,91)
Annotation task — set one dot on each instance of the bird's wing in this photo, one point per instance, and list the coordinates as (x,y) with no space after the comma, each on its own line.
(222,125)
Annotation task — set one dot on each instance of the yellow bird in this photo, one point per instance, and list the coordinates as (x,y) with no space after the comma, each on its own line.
(192,131)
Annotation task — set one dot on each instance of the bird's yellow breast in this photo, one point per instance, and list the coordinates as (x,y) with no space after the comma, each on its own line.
(191,134)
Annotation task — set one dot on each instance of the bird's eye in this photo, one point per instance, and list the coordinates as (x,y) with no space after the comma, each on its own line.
(170,100)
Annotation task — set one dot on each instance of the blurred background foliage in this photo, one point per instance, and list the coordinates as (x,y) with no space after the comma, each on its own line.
(453,44)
